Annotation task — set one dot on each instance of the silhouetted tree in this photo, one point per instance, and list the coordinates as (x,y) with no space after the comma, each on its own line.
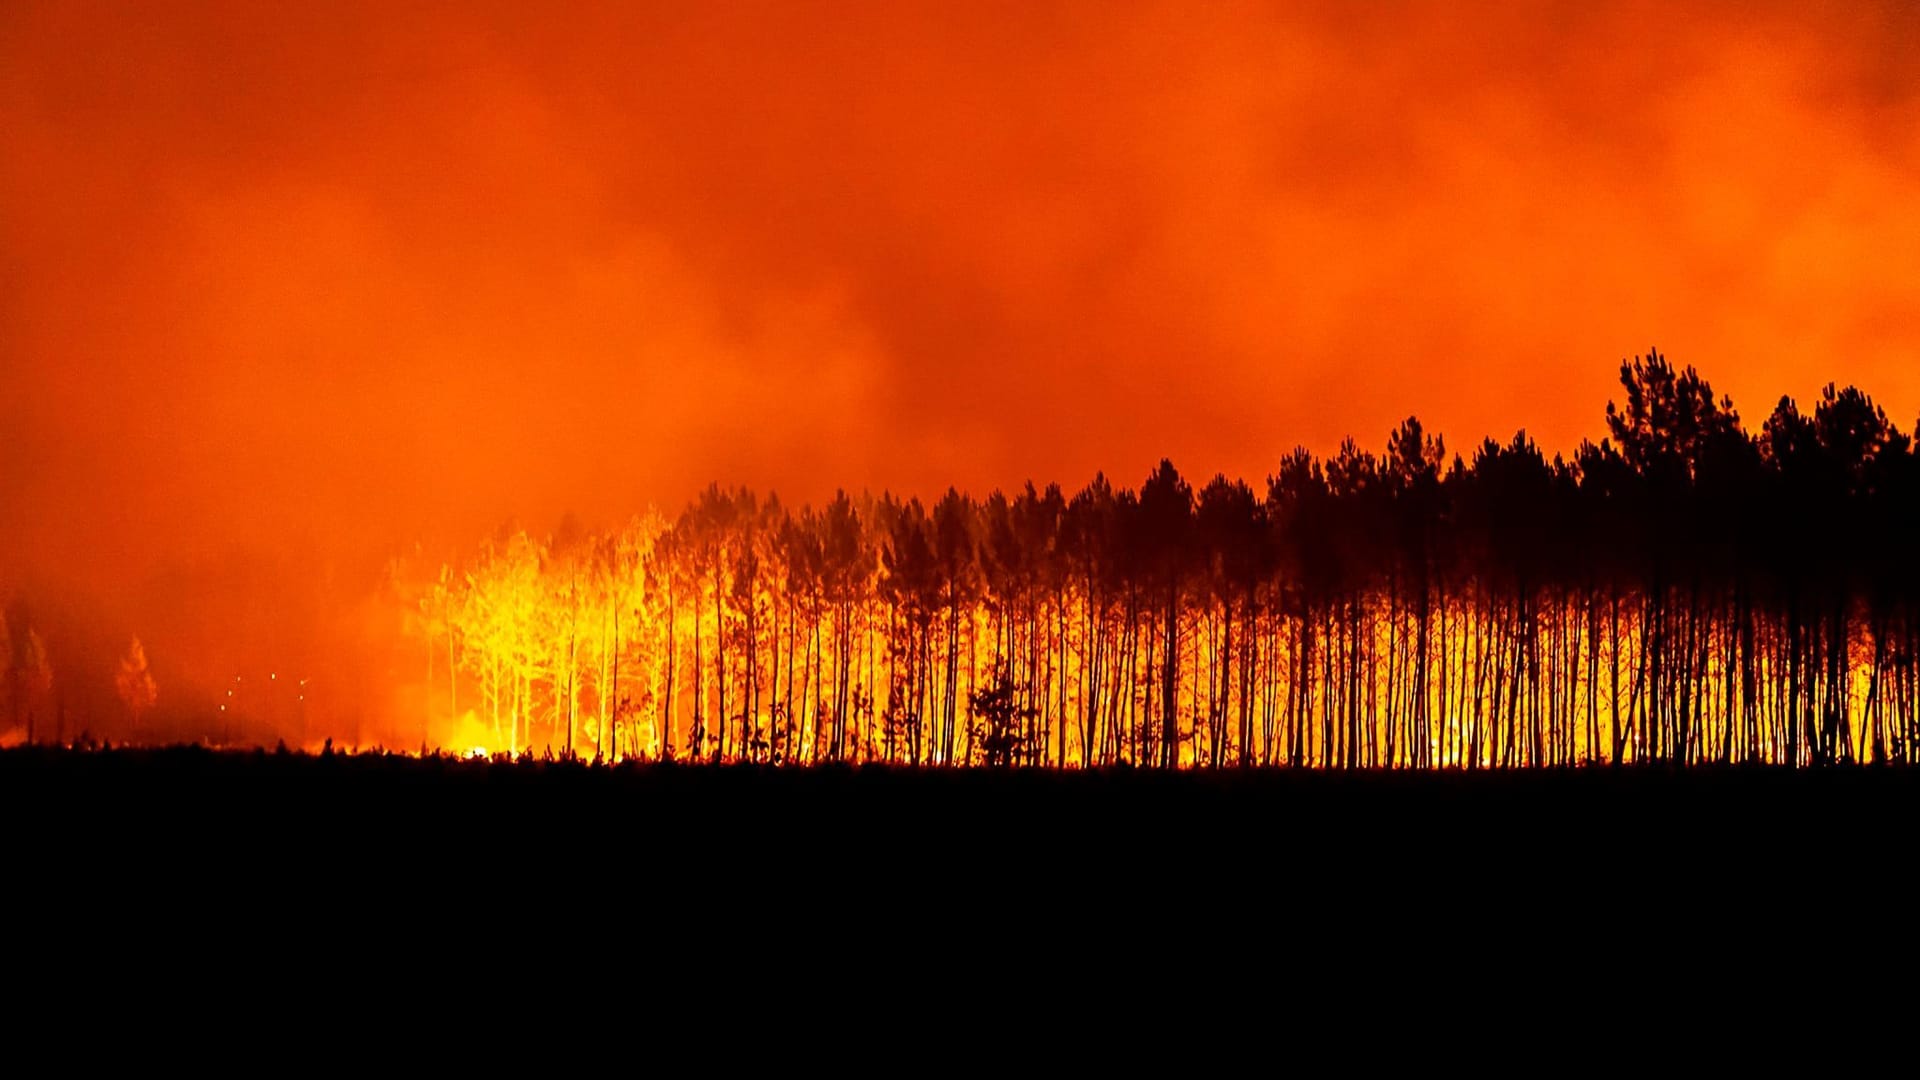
(135,683)
(999,720)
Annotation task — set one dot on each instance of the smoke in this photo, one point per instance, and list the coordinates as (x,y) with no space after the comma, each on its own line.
(285,290)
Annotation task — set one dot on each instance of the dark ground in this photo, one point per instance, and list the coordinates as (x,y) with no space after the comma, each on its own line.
(331,821)
(1371,893)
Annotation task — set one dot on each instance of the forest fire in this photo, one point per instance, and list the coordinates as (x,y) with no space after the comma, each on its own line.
(1409,609)
(490,483)
(289,291)
(1391,611)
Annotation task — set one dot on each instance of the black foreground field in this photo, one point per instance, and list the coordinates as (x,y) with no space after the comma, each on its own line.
(390,874)
(187,819)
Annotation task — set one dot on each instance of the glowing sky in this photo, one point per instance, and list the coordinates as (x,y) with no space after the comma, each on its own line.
(346,274)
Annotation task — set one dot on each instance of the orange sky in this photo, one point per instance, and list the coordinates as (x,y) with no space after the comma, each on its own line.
(334,276)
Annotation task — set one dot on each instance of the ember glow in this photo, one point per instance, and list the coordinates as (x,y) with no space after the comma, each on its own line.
(288,289)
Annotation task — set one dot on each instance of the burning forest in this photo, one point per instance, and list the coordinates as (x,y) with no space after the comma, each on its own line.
(691,462)
(1689,590)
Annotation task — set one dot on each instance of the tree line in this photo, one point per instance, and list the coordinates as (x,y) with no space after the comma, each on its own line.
(1686,590)
(33,706)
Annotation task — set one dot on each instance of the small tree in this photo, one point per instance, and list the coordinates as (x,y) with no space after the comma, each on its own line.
(999,720)
(135,682)
(9,676)
(33,676)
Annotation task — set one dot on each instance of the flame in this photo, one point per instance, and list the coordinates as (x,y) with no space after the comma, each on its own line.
(625,646)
